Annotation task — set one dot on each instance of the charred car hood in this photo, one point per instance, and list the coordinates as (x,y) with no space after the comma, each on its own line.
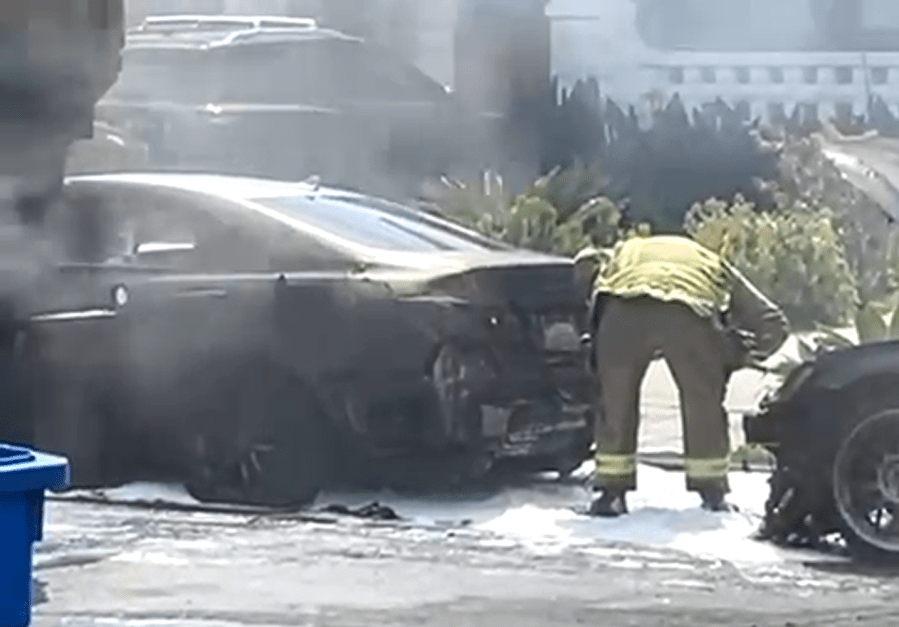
(839,368)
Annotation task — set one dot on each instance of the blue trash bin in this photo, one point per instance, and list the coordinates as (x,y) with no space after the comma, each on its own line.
(24,476)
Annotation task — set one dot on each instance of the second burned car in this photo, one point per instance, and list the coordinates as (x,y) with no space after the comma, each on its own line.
(266,339)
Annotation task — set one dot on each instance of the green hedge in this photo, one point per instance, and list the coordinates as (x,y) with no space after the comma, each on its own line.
(822,249)
(794,255)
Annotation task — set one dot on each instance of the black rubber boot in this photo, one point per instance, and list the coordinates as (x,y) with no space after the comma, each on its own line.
(610,504)
(714,500)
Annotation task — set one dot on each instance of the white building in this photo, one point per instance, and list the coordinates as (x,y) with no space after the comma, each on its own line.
(770,54)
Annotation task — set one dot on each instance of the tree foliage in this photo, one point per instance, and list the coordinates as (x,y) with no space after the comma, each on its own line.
(657,165)
(561,213)
(793,255)
(809,237)
(869,236)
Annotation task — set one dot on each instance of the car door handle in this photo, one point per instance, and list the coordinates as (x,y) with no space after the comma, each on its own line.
(198,292)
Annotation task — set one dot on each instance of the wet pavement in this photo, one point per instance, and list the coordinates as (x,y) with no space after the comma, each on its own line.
(112,565)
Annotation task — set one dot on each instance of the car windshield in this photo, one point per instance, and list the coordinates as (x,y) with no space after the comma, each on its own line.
(317,72)
(379,223)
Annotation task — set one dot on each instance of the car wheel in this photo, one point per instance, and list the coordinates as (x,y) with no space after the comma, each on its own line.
(287,459)
(866,486)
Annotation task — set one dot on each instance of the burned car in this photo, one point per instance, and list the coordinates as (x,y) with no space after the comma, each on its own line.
(833,427)
(260,340)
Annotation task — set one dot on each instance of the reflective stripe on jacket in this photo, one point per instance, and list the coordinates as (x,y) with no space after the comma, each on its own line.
(669,268)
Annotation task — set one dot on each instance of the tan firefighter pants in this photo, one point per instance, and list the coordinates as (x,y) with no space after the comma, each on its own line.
(631,332)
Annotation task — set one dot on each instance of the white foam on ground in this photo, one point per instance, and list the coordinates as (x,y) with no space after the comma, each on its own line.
(662,514)
(541,516)
(138,493)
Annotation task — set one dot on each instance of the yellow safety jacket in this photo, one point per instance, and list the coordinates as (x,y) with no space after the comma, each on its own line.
(669,268)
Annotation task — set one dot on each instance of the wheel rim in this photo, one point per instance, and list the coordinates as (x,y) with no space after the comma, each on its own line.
(866,480)
(267,467)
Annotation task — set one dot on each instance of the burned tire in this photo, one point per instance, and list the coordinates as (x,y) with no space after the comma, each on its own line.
(815,442)
(288,458)
(866,487)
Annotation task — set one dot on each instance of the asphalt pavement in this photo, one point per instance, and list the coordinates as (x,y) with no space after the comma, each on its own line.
(103,565)
(113,566)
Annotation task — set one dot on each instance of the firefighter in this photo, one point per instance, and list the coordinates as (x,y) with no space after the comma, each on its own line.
(668,296)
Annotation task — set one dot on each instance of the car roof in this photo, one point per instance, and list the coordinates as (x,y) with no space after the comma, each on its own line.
(205,32)
(248,192)
(210,21)
(224,186)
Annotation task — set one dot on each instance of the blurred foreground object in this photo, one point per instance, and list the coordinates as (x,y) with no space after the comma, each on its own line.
(24,475)
(109,150)
(57,57)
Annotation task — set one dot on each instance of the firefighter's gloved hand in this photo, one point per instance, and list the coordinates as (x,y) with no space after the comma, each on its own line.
(750,345)
(742,348)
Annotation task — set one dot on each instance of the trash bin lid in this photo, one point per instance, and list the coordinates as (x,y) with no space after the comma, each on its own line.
(23,469)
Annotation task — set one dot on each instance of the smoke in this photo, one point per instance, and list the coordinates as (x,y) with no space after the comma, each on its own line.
(768,25)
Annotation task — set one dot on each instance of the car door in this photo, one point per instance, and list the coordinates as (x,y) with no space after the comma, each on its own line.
(71,348)
(199,295)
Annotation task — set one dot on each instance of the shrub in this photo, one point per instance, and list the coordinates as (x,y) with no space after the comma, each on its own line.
(821,265)
(659,163)
(870,237)
(793,255)
(569,189)
(871,324)
(560,213)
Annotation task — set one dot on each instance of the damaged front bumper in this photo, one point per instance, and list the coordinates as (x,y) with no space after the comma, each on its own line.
(538,430)
(764,426)
(542,413)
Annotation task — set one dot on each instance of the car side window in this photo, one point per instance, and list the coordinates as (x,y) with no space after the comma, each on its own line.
(163,231)
(366,72)
(167,75)
(88,228)
(286,74)
(290,251)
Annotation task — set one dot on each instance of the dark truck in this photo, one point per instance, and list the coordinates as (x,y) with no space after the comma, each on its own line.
(285,98)
(260,340)
(833,426)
